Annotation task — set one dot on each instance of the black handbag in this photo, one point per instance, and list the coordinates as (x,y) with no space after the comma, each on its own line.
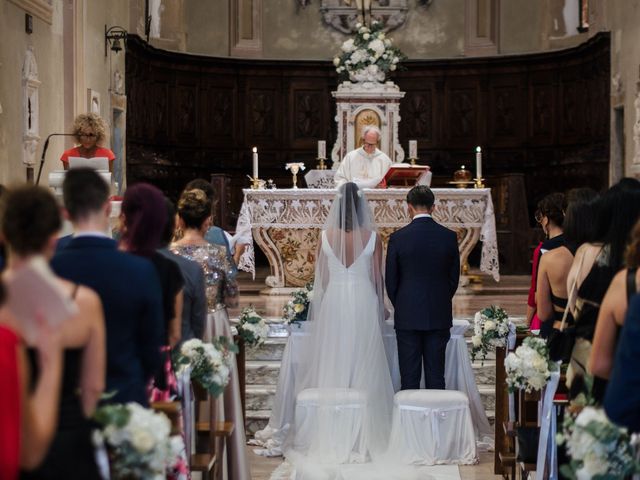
(528,444)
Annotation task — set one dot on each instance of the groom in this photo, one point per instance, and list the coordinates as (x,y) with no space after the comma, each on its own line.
(422,272)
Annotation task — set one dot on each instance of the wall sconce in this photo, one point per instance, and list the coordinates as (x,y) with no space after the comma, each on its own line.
(112,38)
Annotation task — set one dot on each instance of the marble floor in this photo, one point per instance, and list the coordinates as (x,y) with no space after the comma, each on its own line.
(510,293)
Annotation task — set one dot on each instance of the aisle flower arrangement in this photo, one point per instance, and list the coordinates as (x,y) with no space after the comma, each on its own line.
(297,309)
(369,56)
(529,367)
(139,444)
(210,362)
(598,448)
(490,330)
(252,328)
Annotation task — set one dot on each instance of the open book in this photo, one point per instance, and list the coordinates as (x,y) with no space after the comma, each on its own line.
(33,291)
(404,174)
(97,163)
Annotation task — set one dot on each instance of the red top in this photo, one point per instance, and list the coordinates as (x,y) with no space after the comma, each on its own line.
(9,405)
(75,152)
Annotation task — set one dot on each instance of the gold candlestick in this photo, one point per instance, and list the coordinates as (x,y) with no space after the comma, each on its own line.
(479,183)
(412,160)
(321,165)
(256,183)
(294,168)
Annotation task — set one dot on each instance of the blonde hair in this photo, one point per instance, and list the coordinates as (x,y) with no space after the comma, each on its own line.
(90,121)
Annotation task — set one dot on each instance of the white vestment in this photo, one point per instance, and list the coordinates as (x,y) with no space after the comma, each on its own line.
(367,171)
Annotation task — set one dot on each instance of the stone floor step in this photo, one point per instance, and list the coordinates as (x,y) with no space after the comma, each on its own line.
(260,397)
(262,372)
(271,349)
(256,420)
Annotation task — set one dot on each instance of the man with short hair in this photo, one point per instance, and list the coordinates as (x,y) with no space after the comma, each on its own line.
(365,166)
(422,273)
(128,287)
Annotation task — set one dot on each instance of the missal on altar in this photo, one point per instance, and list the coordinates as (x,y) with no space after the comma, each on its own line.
(34,294)
(404,174)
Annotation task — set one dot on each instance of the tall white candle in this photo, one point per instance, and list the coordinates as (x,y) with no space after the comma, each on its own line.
(478,162)
(255,162)
(413,149)
(322,149)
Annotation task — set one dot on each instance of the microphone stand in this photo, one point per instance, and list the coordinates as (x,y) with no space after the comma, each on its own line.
(44,151)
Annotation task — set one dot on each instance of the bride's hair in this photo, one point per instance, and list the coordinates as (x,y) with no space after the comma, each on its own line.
(349,196)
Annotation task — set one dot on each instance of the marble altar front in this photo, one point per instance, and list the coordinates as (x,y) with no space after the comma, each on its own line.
(285,224)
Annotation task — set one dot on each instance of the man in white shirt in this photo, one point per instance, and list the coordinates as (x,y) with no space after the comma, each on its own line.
(366,166)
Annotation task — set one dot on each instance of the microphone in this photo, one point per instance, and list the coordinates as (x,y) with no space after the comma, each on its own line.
(44,151)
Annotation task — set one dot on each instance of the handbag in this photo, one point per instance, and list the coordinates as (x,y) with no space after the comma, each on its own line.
(561,340)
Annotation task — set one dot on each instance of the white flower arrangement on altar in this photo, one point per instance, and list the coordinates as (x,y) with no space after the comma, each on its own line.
(490,330)
(210,362)
(598,448)
(252,328)
(297,309)
(369,56)
(529,367)
(138,443)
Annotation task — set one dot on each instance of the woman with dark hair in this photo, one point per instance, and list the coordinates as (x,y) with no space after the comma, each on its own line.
(595,266)
(194,219)
(550,216)
(144,216)
(30,225)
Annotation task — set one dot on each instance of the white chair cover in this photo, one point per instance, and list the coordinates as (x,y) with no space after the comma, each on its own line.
(432,427)
(188,410)
(547,439)
(343,409)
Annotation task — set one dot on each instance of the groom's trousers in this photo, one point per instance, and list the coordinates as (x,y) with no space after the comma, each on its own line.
(418,348)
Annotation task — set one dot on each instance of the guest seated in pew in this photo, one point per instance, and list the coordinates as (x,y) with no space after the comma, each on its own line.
(71,455)
(194,302)
(614,309)
(127,285)
(28,410)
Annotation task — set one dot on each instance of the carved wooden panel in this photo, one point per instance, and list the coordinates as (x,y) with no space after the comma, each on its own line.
(307,114)
(184,112)
(462,115)
(417,112)
(218,113)
(541,112)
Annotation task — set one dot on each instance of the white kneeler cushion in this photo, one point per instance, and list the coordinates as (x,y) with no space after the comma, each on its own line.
(330,424)
(432,427)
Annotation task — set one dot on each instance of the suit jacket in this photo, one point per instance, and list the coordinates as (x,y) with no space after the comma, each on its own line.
(422,273)
(131,297)
(622,398)
(194,306)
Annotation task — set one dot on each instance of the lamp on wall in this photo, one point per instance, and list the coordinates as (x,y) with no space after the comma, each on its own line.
(112,38)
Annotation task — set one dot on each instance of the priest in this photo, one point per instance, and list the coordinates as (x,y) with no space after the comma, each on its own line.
(366,166)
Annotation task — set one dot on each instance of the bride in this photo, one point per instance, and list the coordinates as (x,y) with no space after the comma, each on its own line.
(345,369)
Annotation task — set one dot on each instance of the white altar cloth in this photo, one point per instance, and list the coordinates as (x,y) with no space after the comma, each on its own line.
(285,224)
(458,376)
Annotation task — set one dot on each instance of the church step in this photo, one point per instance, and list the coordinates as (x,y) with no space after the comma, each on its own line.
(270,350)
(262,372)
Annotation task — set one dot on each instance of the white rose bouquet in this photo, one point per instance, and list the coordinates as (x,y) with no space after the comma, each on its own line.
(490,330)
(598,448)
(210,362)
(253,329)
(139,444)
(529,367)
(297,309)
(368,57)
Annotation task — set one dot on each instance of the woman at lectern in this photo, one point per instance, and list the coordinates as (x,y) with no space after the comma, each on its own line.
(89,131)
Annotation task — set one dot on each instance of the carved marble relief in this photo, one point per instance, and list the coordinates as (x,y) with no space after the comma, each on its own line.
(30,108)
(344,14)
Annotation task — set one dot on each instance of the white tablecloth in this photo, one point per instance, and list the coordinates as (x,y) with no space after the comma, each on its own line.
(458,376)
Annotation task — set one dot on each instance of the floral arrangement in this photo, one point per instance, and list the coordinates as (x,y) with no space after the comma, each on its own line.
(252,328)
(369,56)
(529,367)
(490,330)
(210,362)
(297,309)
(598,448)
(138,443)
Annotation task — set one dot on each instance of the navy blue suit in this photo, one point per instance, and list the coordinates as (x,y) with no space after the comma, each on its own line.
(622,398)
(422,273)
(131,297)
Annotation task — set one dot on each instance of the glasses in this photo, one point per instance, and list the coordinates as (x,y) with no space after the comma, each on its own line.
(87,135)
(370,144)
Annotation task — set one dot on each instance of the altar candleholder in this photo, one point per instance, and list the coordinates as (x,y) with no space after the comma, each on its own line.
(321,165)
(412,160)
(295,167)
(479,183)
(256,183)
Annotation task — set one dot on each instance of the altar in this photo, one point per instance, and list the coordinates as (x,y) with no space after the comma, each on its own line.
(285,224)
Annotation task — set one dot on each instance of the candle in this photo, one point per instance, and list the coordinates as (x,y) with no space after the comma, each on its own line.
(322,149)
(413,149)
(478,162)
(255,162)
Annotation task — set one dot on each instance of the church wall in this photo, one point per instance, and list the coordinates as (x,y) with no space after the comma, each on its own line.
(55,72)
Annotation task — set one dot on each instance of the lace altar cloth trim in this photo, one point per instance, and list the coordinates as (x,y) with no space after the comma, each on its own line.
(308,209)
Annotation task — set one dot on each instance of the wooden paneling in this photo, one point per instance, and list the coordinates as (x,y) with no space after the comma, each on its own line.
(542,115)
